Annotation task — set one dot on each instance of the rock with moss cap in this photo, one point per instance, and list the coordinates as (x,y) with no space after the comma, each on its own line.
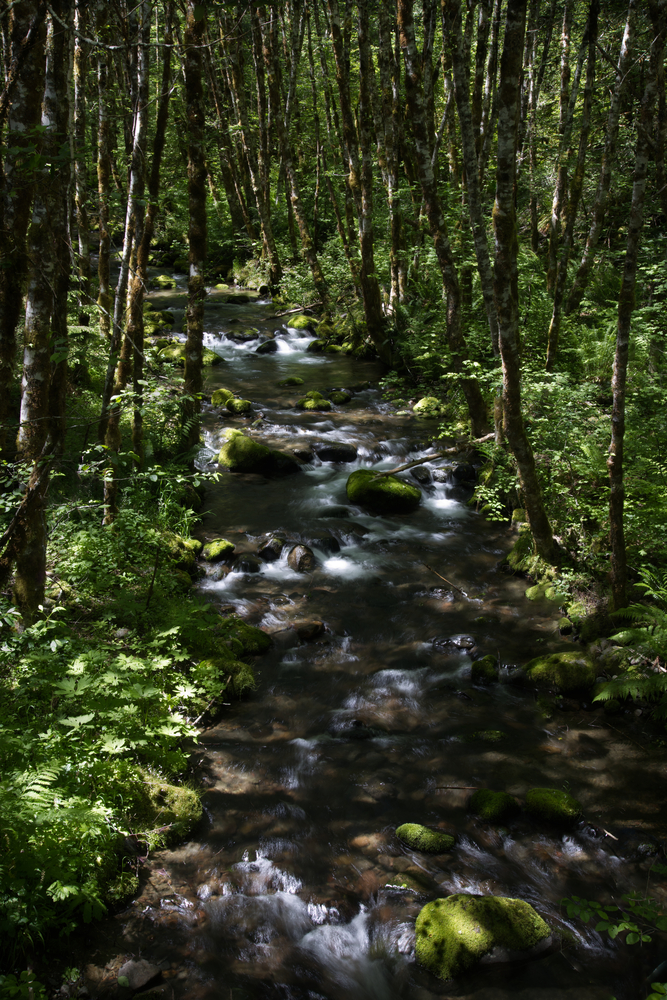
(301,322)
(243,454)
(421,838)
(567,672)
(382,494)
(552,805)
(484,670)
(316,347)
(339,397)
(220,397)
(239,407)
(218,549)
(428,406)
(163,281)
(253,640)
(158,811)
(314,401)
(291,380)
(494,807)
(455,933)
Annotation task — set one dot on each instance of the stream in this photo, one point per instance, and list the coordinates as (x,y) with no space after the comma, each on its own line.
(295,885)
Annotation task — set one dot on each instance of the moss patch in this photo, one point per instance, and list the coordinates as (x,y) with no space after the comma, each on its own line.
(339,398)
(220,397)
(243,454)
(239,406)
(154,809)
(301,322)
(453,934)
(484,670)
(553,806)
(314,401)
(292,380)
(421,838)
(428,406)
(218,549)
(494,807)
(253,640)
(385,495)
(568,672)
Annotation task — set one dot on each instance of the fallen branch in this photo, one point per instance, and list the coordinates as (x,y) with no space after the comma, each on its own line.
(297,309)
(213,699)
(445,580)
(456,450)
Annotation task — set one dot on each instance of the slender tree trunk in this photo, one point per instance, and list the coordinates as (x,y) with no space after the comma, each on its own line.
(391,117)
(433,211)
(80,163)
(451,10)
(576,188)
(560,190)
(104,297)
(506,278)
(487,123)
(608,159)
(481,54)
(194,99)
(626,303)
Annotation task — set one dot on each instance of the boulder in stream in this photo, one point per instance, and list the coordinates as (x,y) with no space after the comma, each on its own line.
(241,453)
(422,475)
(314,401)
(484,670)
(301,322)
(301,559)
(271,550)
(240,407)
(336,451)
(291,380)
(428,406)
(567,672)
(422,838)
(457,932)
(494,807)
(382,495)
(315,347)
(553,805)
(339,397)
(218,550)
(136,974)
(268,347)
(221,396)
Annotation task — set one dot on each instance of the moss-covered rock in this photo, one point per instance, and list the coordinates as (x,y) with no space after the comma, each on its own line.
(484,670)
(211,677)
(181,551)
(316,347)
(243,454)
(518,515)
(174,353)
(428,406)
(317,403)
(455,933)
(164,281)
(301,322)
(552,805)
(240,407)
(382,495)
(218,549)
(494,807)
(221,396)
(158,811)
(253,640)
(489,735)
(291,380)
(421,838)
(339,398)
(333,349)
(568,672)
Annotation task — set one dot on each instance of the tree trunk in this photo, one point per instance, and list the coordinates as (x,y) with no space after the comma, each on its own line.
(626,303)
(194,99)
(608,159)
(80,165)
(104,297)
(486,123)
(392,122)
(560,190)
(433,210)
(506,277)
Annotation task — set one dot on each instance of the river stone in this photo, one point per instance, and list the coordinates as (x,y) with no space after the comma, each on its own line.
(247,564)
(336,451)
(315,347)
(313,401)
(220,397)
(272,549)
(307,631)
(137,974)
(163,281)
(243,454)
(385,495)
(339,398)
(239,406)
(217,550)
(428,406)
(494,807)
(553,806)
(268,347)
(301,322)
(464,473)
(421,838)
(323,540)
(301,559)
(484,670)
(457,932)
(422,475)
(567,672)
(291,380)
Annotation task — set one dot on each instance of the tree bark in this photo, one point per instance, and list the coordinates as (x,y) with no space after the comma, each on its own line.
(433,210)
(560,190)
(506,278)
(626,303)
(104,296)
(80,163)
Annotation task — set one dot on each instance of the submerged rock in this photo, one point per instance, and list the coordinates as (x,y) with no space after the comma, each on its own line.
(243,454)
(336,451)
(484,670)
(323,540)
(291,380)
(301,559)
(457,932)
(494,807)
(248,564)
(218,549)
(384,495)
(568,672)
(421,838)
(307,631)
(268,347)
(553,806)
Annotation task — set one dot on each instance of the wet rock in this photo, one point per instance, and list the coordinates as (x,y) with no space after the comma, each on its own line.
(137,974)
(494,807)
(247,564)
(314,401)
(301,559)
(339,398)
(323,540)
(541,592)
(163,281)
(441,475)
(303,453)
(221,396)
(217,550)
(464,473)
(422,475)
(240,407)
(268,347)
(315,347)
(421,838)
(385,495)
(567,672)
(307,631)
(552,805)
(462,642)
(354,729)
(291,380)
(462,492)
(243,454)
(336,451)
(565,626)
(484,670)
(428,406)
(243,336)
(272,549)
(301,322)
(334,511)
(456,933)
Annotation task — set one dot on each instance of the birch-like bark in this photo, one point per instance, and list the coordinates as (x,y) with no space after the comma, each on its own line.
(481,53)
(195,33)
(489,101)
(608,159)
(626,303)
(104,297)
(506,277)
(80,162)
(560,190)
(389,68)
(433,211)
(451,13)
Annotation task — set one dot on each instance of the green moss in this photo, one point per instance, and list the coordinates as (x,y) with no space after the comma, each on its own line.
(243,454)
(518,516)
(221,396)
(333,349)
(254,640)
(292,380)
(494,807)
(239,406)
(567,672)
(552,805)
(428,406)
(455,933)
(164,281)
(211,677)
(317,404)
(489,735)
(383,495)
(522,550)
(484,670)
(301,322)
(218,549)
(121,889)
(339,398)
(611,707)
(314,394)
(421,838)
(316,347)
(158,811)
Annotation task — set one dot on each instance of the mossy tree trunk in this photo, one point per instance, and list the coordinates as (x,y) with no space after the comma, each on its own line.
(80,159)
(104,297)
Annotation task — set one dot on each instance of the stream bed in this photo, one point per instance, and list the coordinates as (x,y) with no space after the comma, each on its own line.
(295,885)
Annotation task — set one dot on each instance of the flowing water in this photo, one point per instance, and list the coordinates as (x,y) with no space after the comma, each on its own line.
(296,886)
